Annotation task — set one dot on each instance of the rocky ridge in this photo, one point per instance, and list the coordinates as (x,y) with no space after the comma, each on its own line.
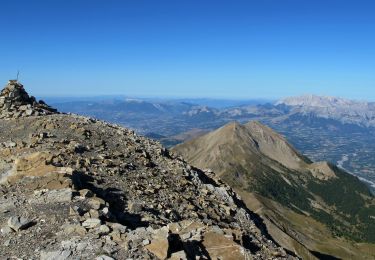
(72,187)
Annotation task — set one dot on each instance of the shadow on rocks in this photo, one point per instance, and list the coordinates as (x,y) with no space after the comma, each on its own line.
(114,197)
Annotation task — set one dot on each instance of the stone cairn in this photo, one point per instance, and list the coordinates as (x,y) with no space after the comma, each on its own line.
(15,102)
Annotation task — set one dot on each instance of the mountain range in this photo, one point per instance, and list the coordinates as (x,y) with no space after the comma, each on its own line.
(345,111)
(324,128)
(74,187)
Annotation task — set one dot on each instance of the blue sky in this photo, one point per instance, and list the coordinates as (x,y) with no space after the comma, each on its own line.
(190,48)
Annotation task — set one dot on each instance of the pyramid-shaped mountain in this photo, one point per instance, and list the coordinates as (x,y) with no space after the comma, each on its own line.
(286,188)
(251,146)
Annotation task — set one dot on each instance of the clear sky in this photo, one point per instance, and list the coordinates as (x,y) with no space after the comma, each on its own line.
(190,48)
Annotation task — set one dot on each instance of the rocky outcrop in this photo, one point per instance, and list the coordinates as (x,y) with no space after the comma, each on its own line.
(76,188)
(15,102)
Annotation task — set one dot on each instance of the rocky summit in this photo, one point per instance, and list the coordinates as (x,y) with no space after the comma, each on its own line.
(15,102)
(72,187)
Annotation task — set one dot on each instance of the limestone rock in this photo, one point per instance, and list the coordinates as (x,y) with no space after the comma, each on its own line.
(18,223)
(104,257)
(6,230)
(74,229)
(159,247)
(104,229)
(59,196)
(220,246)
(180,255)
(55,255)
(96,203)
(91,223)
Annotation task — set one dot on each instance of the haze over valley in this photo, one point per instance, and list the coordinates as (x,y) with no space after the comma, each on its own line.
(323,128)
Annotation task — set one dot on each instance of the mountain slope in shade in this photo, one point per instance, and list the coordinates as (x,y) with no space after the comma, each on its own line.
(290,189)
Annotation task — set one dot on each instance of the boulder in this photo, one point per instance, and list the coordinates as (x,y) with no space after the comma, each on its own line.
(18,223)
(91,223)
(55,255)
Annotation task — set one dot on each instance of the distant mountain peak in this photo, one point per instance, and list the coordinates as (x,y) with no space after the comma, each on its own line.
(317,101)
(15,102)
(346,111)
(252,138)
